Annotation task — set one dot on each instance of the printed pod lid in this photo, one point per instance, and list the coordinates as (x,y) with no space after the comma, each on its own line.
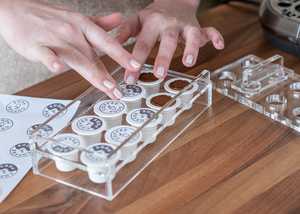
(88,125)
(65,144)
(97,153)
(132,92)
(110,108)
(137,117)
(119,134)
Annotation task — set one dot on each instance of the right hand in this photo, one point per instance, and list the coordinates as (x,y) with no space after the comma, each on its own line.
(55,36)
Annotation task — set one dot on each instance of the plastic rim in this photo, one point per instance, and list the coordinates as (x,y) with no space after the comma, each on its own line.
(132,98)
(88,132)
(157,82)
(170,90)
(135,140)
(150,105)
(153,123)
(122,108)
(95,160)
(59,138)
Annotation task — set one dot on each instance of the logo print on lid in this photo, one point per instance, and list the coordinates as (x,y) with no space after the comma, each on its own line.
(122,133)
(7,170)
(53,109)
(43,131)
(131,90)
(17,106)
(20,150)
(89,123)
(111,107)
(101,152)
(5,124)
(65,144)
(142,115)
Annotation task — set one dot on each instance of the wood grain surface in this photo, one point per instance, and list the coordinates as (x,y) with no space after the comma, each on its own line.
(231,160)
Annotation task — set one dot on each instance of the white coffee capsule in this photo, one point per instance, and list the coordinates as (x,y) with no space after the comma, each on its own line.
(175,85)
(111,111)
(117,135)
(138,117)
(157,101)
(150,83)
(90,128)
(100,167)
(65,146)
(132,95)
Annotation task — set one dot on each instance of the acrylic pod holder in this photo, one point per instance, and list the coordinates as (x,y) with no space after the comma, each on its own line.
(63,158)
(265,86)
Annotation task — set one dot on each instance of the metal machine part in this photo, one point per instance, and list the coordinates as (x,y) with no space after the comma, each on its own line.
(281,22)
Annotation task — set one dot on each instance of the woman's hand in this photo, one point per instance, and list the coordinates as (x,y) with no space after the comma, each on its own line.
(167,21)
(55,36)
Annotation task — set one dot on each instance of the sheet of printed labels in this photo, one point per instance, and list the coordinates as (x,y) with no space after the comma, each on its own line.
(19,116)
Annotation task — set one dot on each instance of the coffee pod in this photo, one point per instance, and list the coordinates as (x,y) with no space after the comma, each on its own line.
(100,168)
(65,146)
(118,134)
(111,111)
(175,85)
(150,83)
(132,95)
(90,128)
(157,101)
(138,117)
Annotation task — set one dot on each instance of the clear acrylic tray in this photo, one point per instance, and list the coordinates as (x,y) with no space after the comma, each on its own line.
(104,170)
(266,86)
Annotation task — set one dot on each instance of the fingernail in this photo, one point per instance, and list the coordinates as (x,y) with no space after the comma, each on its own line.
(189,59)
(108,84)
(117,93)
(56,66)
(160,71)
(135,64)
(130,79)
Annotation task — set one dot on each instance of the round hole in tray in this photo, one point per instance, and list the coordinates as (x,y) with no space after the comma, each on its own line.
(295,89)
(296,114)
(251,86)
(276,102)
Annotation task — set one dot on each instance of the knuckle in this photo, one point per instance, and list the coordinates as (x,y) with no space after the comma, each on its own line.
(67,29)
(171,35)
(142,45)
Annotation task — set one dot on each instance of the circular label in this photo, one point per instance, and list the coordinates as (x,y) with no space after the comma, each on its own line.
(131,90)
(111,107)
(53,109)
(99,152)
(89,123)
(43,131)
(5,124)
(141,115)
(17,106)
(121,133)
(20,150)
(7,170)
(65,144)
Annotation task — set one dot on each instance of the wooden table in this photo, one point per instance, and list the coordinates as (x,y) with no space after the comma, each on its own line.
(232,160)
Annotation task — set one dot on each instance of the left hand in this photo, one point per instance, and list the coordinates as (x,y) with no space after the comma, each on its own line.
(167,21)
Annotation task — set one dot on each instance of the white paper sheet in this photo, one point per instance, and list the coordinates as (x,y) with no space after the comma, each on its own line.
(17,117)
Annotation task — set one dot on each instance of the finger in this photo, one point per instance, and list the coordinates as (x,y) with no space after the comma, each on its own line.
(107,44)
(128,28)
(93,71)
(108,22)
(142,48)
(215,36)
(167,48)
(47,57)
(194,40)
